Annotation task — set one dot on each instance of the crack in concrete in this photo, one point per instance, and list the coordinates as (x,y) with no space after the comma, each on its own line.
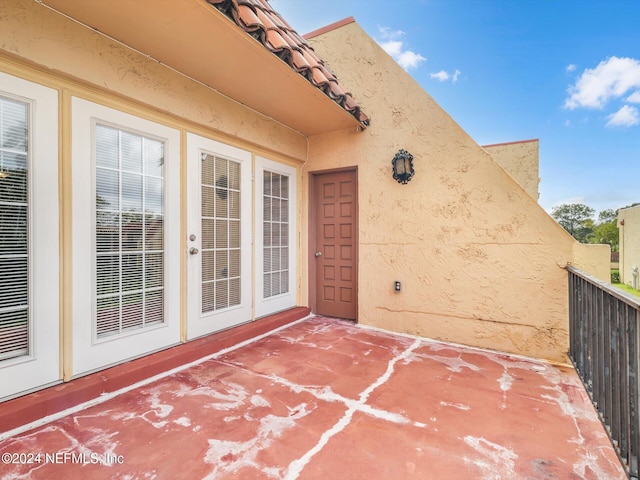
(296,467)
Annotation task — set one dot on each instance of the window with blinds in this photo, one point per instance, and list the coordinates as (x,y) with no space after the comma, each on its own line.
(220,233)
(276,234)
(129,176)
(14,229)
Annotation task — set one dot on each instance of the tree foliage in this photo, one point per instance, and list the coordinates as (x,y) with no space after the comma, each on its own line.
(577,219)
(608,216)
(606,232)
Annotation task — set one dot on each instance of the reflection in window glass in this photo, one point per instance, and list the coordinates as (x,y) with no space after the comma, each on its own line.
(14,230)
(129,231)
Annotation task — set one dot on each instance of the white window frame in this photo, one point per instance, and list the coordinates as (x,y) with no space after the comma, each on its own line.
(276,303)
(90,353)
(42,365)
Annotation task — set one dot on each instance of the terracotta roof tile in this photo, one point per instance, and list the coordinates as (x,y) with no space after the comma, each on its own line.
(248,16)
(258,19)
(276,41)
(318,77)
(298,61)
(265,19)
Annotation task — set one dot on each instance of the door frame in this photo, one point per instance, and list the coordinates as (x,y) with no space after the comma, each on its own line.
(313,224)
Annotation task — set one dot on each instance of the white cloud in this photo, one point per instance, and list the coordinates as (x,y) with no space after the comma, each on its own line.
(409,60)
(391,43)
(611,79)
(634,97)
(571,68)
(392,47)
(443,76)
(625,117)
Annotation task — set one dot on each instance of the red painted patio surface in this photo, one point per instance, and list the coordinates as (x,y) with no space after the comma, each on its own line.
(327,399)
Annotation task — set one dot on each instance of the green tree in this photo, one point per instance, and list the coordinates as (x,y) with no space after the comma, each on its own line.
(607,216)
(575,218)
(585,231)
(606,232)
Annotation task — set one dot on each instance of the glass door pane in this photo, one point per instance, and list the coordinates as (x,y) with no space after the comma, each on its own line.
(275,234)
(221,219)
(14,230)
(129,231)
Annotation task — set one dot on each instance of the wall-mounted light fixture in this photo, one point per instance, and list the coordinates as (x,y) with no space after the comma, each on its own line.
(403,166)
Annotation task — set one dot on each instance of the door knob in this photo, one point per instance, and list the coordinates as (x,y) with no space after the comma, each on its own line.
(193,251)
(318,254)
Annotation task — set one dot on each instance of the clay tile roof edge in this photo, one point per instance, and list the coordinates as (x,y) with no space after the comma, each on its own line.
(328,28)
(283,40)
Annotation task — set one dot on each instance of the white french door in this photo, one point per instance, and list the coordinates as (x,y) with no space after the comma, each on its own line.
(29,246)
(275,237)
(125,234)
(219,236)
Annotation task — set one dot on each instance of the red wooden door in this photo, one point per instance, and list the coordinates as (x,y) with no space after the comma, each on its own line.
(335,211)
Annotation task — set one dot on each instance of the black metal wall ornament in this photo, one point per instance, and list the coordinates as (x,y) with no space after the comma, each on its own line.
(403,166)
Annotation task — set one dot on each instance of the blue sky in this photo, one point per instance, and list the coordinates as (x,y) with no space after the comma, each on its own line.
(564,71)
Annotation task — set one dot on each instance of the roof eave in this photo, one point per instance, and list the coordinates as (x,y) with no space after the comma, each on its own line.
(195,39)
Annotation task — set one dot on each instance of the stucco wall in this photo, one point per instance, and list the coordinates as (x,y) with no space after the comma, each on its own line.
(521,161)
(31,31)
(594,259)
(629,243)
(481,263)
(44,47)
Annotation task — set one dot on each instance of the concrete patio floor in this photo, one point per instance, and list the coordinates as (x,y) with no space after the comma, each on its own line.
(324,398)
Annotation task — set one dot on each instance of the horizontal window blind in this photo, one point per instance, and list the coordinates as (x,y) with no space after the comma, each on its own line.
(220,233)
(276,234)
(14,229)
(129,231)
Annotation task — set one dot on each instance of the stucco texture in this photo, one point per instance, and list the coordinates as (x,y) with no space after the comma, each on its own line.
(480,262)
(521,161)
(33,32)
(629,227)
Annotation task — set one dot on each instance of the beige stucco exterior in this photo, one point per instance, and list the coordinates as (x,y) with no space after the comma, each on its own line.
(68,50)
(480,261)
(521,161)
(40,45)
(629,227)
